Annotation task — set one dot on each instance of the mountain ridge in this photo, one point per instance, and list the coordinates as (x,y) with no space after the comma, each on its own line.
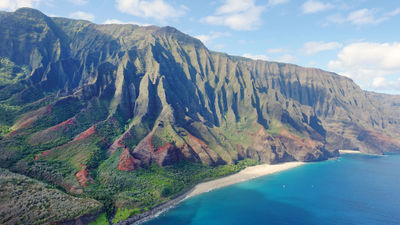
(81,102)
(203,66)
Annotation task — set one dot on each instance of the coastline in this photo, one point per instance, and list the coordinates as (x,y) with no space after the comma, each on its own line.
(246,174)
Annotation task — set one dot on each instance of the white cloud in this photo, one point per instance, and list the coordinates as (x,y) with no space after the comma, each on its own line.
(312,6)
(363,17)
(116,21)
(205,38)
(82,15)
(79,2)
(256,57)
(155,9)
(285,58)
(393,13)
(369,64)
(277,2)
(237,15)
(312,47)
(12,5)
(385,85)
(379,82)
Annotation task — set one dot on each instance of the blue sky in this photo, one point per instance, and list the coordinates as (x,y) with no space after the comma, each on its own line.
(355,38)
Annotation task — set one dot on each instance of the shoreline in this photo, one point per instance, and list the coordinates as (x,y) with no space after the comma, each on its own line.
(246,174)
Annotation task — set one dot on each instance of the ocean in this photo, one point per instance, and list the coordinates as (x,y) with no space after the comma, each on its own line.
(353,189)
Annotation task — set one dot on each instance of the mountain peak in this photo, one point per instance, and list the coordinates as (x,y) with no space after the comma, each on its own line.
(30,12)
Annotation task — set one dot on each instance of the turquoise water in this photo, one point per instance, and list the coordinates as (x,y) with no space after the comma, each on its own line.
(354,189)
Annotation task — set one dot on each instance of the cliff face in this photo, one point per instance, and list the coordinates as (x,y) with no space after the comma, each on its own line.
(75,88)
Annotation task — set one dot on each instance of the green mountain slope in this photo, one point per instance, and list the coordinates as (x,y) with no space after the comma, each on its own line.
(38,202)
(92,107)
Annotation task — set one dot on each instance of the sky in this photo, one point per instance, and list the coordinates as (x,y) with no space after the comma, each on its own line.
(359,39)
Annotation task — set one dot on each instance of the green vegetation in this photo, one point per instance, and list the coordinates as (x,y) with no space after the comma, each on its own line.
(18,148)
(100,220)
(27,201)
(239,133)
(97,155)
(110,129)
(146,188)
(123,214)
(4,129)
(59,112)
(11,73)
(79,152)
(130,192)
(7,114)
(276,127)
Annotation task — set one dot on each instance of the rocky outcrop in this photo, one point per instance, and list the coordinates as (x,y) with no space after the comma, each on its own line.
(286,147)
(203,151)
(64,125)
(167,155)
(43,154)
(373,140)
(85,134)
(127,161)
(83,177)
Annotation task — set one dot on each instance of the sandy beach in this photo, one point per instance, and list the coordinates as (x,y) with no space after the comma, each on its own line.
(343,152)
(244,175)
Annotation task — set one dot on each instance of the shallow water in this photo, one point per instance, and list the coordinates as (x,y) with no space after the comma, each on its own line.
(354,189)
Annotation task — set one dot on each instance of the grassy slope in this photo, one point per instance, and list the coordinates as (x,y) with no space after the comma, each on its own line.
(26,201)
(137,191)
(123,193)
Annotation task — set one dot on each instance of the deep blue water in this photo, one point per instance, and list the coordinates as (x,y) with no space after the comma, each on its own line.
(354,189)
